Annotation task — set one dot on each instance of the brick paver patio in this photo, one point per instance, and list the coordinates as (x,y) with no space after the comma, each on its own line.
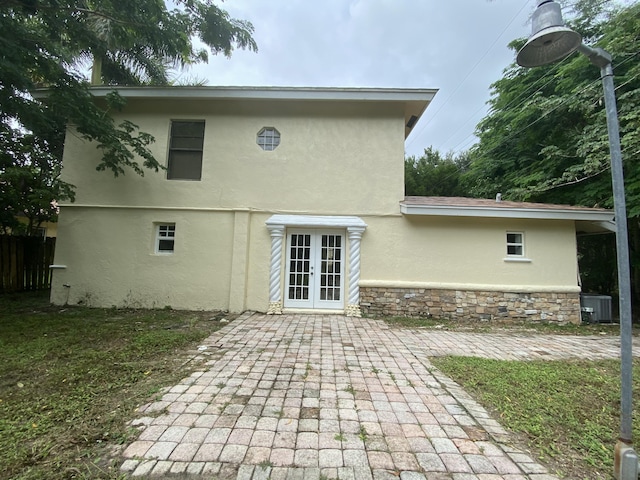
(325,396)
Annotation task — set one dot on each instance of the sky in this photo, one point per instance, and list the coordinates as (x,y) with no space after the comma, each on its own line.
(456,46)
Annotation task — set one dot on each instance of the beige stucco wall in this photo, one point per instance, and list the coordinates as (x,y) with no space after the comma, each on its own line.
(453,252)
(222,258)
(329,161)
(332,160)
(110,260)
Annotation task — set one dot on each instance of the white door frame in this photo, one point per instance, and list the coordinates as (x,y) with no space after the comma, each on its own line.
(354,226)
(315,269)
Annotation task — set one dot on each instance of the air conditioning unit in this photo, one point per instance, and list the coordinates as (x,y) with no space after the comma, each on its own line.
(597,308)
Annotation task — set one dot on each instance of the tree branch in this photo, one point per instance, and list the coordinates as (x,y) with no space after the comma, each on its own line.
(572,182)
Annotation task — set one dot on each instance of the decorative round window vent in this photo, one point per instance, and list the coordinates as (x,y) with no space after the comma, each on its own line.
(268,138)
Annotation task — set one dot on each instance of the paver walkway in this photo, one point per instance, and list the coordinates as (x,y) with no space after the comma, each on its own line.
(324,396)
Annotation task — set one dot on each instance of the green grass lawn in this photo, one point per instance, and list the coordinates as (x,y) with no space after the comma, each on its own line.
(71,377)
(567,412)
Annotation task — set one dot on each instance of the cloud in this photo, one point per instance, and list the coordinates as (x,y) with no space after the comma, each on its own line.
(457,46)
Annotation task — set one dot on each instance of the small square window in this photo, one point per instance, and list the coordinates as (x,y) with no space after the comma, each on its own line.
(165,238)
(268,138)
(185,150)
(515,244)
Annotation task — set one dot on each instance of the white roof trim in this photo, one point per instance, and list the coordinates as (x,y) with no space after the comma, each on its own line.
(501,212)
(274,93)
(609,225)
(316,221)
(415,100)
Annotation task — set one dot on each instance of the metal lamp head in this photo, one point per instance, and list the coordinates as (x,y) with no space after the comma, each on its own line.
(550,40)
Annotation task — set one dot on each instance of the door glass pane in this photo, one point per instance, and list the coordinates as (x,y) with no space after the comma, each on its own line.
(299,268)
(330,256)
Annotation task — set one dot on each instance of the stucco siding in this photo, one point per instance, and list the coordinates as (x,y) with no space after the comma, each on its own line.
(329,160)
(257,293)
(339,163)
(453,252)
(110,259)
(222,258)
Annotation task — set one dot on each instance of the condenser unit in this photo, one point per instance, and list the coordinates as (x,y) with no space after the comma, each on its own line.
(597,308)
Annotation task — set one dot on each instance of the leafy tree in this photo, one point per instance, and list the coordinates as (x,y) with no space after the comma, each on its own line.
(435,175)
(29,184)
(545,137)
(49,43)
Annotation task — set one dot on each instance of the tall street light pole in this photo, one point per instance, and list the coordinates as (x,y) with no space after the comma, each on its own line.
(550,41)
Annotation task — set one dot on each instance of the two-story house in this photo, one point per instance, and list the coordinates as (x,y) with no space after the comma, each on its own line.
(288,199)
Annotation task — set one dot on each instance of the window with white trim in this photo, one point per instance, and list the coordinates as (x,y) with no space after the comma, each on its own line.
(165,238)
(268,138)
(185,150)
(515,244)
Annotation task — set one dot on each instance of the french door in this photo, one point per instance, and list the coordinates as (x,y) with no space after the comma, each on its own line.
(315,269)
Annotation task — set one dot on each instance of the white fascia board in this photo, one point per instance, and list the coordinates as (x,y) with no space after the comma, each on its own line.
(526,213)
(316,221)
(273,93)
(609,225)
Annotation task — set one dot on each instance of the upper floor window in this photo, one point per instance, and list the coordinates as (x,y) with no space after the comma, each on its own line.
(515,244)
(185,150)
(268,138)
(165,237)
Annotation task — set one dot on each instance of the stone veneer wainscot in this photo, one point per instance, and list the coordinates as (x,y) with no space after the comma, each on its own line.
(470,305)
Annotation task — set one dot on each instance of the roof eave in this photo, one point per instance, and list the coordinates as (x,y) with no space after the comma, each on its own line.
(501,212)
(273,93)
(415,100)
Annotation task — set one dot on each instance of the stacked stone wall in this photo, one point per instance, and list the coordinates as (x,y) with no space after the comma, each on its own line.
(470,305)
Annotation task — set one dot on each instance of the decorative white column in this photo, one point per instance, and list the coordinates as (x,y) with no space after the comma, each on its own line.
(275,301)
(353,306)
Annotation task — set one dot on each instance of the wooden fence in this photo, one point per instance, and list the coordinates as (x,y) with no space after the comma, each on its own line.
(24,263)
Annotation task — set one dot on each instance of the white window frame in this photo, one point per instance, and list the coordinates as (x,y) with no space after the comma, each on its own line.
(268,138)
(175,150)
(516,257)
(165,231)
